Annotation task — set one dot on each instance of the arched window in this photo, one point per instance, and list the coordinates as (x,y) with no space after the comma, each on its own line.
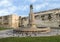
(24,18)
(37,17)
(58,14)
(49,16)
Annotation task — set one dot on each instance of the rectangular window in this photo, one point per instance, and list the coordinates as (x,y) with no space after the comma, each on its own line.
(5,17)
(42,17)
(5,23)
(0,17)
(59,15)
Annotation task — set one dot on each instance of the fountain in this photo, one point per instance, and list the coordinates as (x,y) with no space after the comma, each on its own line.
(32,27)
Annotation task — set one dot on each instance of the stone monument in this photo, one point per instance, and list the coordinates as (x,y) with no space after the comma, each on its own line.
(32,27)
(31,18)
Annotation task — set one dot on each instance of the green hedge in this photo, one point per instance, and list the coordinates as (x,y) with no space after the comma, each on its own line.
(1,28)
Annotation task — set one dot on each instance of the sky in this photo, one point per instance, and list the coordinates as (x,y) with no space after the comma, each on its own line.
(22,7)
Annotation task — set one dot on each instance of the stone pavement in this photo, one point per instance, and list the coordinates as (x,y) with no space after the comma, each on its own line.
(9,33)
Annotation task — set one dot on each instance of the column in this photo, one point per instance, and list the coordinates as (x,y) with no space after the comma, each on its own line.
(31,17)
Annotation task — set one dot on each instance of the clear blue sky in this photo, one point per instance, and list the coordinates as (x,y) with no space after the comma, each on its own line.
(21,7)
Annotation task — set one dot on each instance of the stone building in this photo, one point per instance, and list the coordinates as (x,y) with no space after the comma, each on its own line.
(49,18)
(9,21)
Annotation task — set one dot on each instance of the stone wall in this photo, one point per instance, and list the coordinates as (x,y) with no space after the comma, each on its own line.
(50,18)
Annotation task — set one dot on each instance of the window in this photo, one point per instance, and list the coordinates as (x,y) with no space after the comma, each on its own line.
(19,24)
(58,15)
(5,17)
(59,25)
(37,17)
(25,19)
(49,16)
(5,23)
(42,17)
(0,17)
